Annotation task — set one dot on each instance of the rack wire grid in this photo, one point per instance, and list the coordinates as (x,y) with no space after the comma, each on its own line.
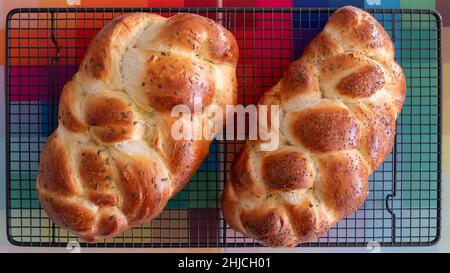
(45,46)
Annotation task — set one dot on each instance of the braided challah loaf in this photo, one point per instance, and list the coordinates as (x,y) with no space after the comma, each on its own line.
(338,108)
(112,162)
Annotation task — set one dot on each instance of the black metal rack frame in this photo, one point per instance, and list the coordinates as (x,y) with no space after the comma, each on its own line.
(403,208)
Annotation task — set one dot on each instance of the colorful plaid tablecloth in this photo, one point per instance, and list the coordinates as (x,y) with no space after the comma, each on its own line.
(207,173)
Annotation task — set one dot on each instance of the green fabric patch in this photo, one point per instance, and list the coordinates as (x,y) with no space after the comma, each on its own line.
(417,4)
(200,192)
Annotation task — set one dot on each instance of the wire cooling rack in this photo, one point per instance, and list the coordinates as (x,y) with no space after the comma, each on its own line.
(44,47)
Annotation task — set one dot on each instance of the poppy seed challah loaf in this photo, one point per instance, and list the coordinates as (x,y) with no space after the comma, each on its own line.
(112,162)
(338,106)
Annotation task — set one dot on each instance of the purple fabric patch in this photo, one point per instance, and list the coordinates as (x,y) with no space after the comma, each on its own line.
(443,6)
(38,83)
(204,225)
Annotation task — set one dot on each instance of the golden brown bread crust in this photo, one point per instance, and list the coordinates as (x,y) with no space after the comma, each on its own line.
(286,171)
(337,127)
(339,103)
(112,163)
(203,36)
(166,89)
(363,83)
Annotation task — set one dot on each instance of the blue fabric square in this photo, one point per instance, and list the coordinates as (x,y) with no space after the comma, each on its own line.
(341,3)
(305,26)
(382,4)
(48,118)
(310,3)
